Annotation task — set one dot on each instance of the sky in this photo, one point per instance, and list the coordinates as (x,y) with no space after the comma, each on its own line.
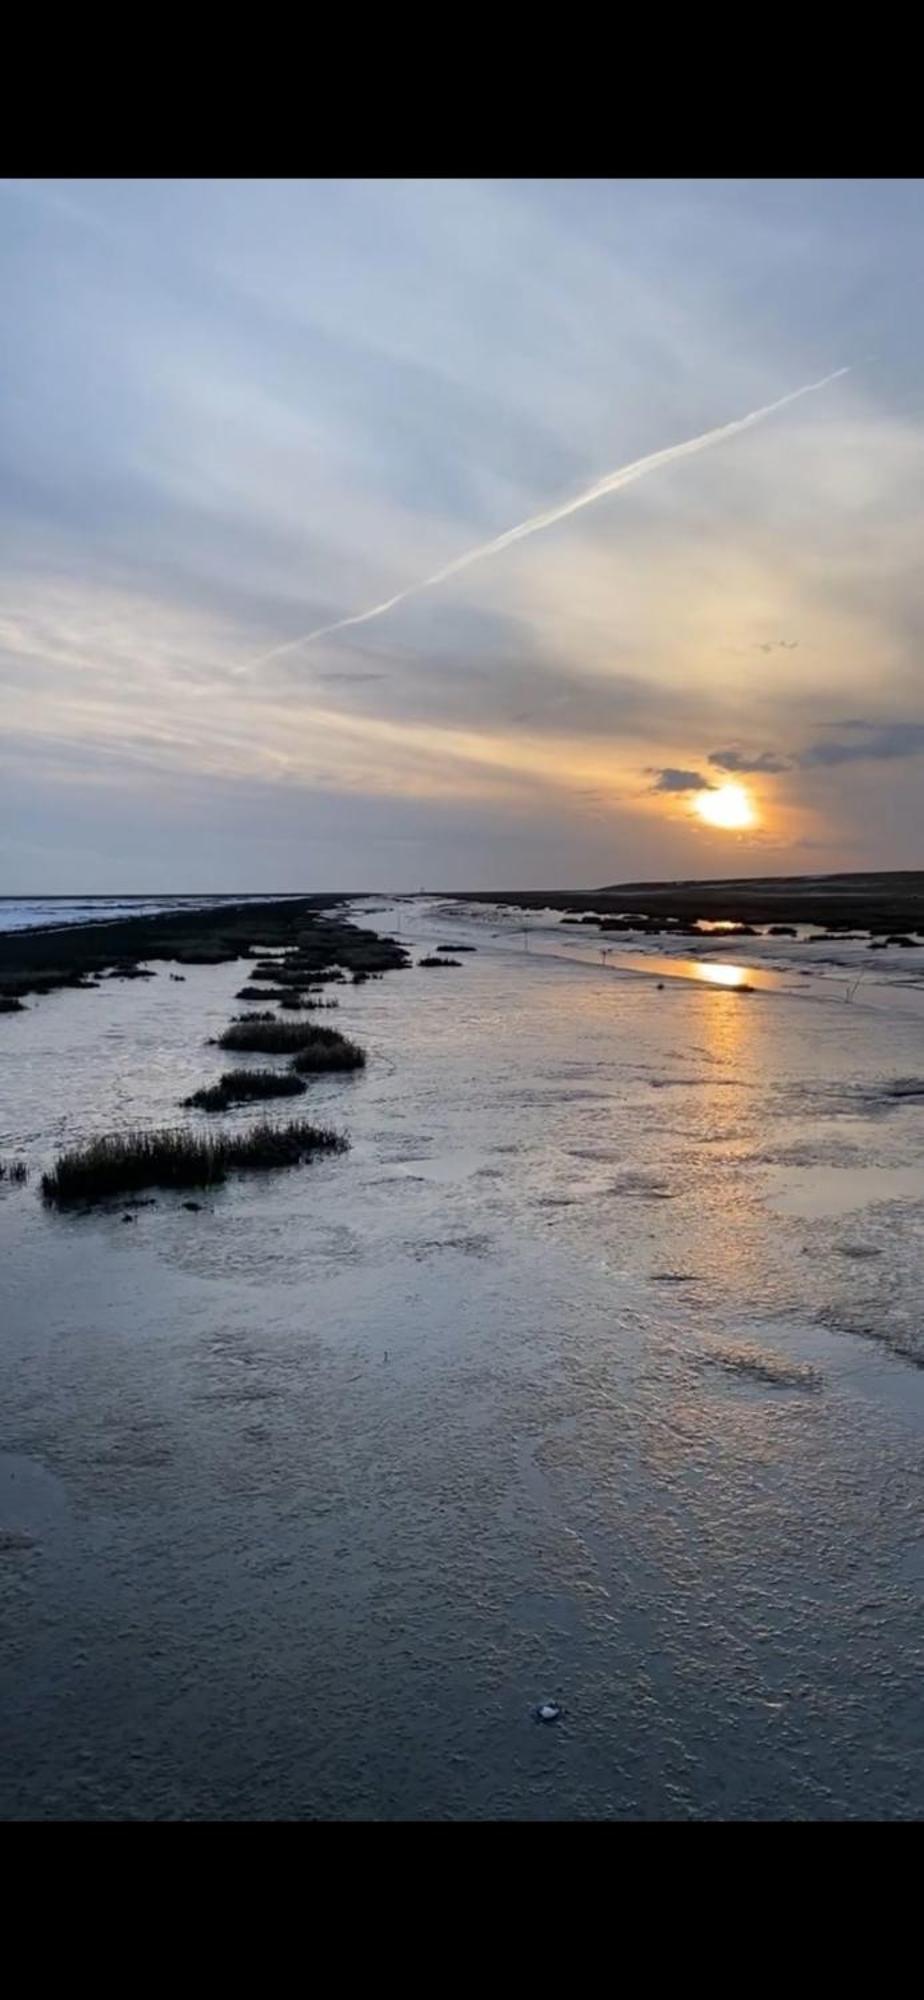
(236,413)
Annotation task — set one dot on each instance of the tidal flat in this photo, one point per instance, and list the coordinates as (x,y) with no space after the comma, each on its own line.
(590,1374)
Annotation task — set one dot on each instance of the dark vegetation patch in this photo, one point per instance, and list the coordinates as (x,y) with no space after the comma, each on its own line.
(881,900)
(122,1162)
(226,931)
(242,1086)
(263,993)
(251,1018)
(11,1004)
(325,1049)
(131,972)
(431,960)
(17,1173)
(13,986)
(474,947)
(269,1037)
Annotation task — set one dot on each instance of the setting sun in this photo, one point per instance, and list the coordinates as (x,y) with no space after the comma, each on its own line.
(730,806)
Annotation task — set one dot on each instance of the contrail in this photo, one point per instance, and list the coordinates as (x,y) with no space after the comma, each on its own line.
(612,482)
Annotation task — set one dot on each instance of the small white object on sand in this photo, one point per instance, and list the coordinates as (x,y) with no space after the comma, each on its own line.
(548,1711)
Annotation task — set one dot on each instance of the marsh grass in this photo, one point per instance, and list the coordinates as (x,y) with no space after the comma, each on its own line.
(10,1004)
(243,1086)
(123,1162)
(432,960)
(17,984)
(326,1049)
(269,1038)
(294,973)
(16,1174)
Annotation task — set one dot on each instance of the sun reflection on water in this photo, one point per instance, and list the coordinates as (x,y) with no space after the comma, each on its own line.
(723,975)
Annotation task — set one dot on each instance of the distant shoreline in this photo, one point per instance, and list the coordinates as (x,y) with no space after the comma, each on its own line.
(889,900)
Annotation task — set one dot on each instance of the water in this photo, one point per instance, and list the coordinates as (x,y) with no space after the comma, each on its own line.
(20,913)
(551,1388)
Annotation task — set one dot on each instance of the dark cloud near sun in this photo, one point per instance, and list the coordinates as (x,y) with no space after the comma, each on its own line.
(670,779)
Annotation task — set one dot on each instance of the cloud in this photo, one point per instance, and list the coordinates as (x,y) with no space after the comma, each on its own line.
(748,760)
(274,404)
(338,674)
(670,779)
(869,743)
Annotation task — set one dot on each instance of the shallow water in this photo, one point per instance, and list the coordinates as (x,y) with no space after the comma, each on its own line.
(552,1388)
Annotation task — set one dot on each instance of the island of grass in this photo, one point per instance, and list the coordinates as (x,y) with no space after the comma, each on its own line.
(242,1086)
(11,1004)
(122,1163)
(325,1049)
(431,959)
(312,1047)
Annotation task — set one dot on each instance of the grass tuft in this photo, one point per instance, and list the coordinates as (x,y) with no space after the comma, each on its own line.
(326,1049)
(268,1038)
(123,1162)
(242,1086)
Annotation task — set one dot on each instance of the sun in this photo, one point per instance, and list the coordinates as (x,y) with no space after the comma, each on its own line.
(729,807)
